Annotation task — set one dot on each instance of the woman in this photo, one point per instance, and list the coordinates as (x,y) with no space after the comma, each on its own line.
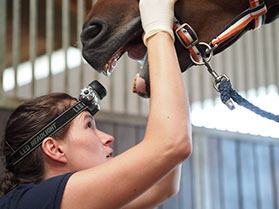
(74,168)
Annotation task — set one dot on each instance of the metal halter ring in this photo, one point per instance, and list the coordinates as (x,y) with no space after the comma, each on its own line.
(209,48)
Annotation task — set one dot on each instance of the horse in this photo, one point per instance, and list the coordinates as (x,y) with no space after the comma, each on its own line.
(113,27)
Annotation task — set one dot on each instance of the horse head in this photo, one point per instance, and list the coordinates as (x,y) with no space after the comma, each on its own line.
(113,27)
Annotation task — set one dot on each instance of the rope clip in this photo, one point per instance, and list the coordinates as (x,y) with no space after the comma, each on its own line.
(217,81)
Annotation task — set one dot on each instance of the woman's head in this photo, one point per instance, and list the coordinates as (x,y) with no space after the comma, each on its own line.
(25,121)
(77,146)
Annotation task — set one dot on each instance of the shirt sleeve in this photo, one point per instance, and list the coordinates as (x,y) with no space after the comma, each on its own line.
(48,194)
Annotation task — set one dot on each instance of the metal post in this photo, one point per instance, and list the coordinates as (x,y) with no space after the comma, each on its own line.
(80,20)
(16,40)
(125,85)
(3,18)
(49,39)
(66,39)
(33,28)
(275,30)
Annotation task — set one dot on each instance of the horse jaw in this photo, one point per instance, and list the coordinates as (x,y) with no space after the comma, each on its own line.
(103,51)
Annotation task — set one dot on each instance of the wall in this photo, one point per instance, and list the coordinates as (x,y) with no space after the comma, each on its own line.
(226,170)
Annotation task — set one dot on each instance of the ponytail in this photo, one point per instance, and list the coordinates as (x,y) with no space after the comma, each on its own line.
(8,182)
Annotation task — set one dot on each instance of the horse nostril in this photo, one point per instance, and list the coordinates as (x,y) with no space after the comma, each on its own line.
(94,30)
(90,32)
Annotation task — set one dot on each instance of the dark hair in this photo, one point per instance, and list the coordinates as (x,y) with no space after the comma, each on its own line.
(25,121)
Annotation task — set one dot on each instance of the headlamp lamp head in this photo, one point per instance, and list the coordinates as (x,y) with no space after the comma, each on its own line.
(91,96)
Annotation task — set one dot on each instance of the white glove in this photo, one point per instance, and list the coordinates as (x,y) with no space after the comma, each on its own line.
(156,16)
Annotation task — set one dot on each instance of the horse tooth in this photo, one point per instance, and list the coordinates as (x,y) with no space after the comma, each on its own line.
(105,69)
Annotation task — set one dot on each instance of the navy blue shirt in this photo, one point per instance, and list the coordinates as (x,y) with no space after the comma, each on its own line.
(46,195)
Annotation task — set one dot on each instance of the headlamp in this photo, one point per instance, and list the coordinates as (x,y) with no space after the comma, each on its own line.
(88,100)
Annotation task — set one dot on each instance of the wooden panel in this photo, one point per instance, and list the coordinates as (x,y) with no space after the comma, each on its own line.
(140,132)
(229,175)
(171,203)
(200,165)
(215,166)
(125,138)
(265,184)
(197,196)
(247,177)
(275,151)
(205,171)
(222,173)
(186,187)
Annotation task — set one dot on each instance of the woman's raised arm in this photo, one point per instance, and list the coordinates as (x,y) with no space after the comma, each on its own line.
(166,144)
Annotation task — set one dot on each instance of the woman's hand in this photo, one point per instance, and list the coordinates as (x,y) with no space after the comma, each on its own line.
(156,16)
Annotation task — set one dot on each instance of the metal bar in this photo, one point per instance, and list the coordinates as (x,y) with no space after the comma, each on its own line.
(95,73)
(80,20)
(16,40)
(33,40)
(66,39)
(125,85)
(3,19)
(240,65)
(189,85)
(260,59)
(111,97)
(249,62)
(268,56)
(270,47)
(49,39)
(235,72)
(139,104)
(276,52)
(201,78)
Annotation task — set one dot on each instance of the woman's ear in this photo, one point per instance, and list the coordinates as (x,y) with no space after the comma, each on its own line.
(53,150)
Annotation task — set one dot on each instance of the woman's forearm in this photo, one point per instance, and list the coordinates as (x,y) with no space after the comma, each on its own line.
(169,112)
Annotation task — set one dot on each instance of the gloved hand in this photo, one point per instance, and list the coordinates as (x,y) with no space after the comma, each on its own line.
(156,16)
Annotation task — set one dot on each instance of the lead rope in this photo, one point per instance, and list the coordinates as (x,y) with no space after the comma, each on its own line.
(223,85)
(227,93)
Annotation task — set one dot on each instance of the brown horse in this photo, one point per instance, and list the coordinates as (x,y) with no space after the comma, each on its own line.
(113,27)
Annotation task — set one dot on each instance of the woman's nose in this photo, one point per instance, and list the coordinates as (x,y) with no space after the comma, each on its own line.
(106,138)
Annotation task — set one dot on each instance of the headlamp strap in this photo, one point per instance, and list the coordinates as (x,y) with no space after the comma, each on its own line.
(49,130)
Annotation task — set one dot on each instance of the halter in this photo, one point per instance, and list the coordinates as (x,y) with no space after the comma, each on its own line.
(189,39)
